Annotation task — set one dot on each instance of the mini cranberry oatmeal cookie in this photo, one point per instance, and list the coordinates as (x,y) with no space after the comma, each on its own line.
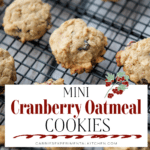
(52,82)
(78,47)
(27,19)
(7,69)
(2,135)
(136,61)
(130,148)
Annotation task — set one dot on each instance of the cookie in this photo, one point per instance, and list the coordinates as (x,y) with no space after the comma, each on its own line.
(130,148)
(2,135)
(7,68)
(52,82)
(27,19)
(136,61)
(64,148)
(77,47)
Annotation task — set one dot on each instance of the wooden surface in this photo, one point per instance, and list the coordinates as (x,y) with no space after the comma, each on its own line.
(113,38)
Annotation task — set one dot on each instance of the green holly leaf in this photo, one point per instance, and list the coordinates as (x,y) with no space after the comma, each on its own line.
(122,87)
(127,78)
(110,77)
(120,74)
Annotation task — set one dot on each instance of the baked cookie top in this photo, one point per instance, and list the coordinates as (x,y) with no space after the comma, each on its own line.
(7,68)
(78,47)
(136,61)
(27,19)
(52,82)
(2,135)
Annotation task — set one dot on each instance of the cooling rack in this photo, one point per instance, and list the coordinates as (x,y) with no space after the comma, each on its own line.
(121,22)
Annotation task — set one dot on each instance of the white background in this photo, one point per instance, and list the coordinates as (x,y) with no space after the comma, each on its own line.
(35,124)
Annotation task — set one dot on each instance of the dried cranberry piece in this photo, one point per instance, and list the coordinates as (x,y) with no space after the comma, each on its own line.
(85,47)
(130,43)
(18,30)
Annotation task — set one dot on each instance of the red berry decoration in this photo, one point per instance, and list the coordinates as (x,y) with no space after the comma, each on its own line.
(123,83)
(112,81)
(118,92)
(121,91)
(119,79)
(108,84)
(110,95)
(115,90)
(126,83)
(123,78)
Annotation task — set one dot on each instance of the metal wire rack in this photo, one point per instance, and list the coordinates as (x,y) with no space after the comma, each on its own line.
(121,22)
